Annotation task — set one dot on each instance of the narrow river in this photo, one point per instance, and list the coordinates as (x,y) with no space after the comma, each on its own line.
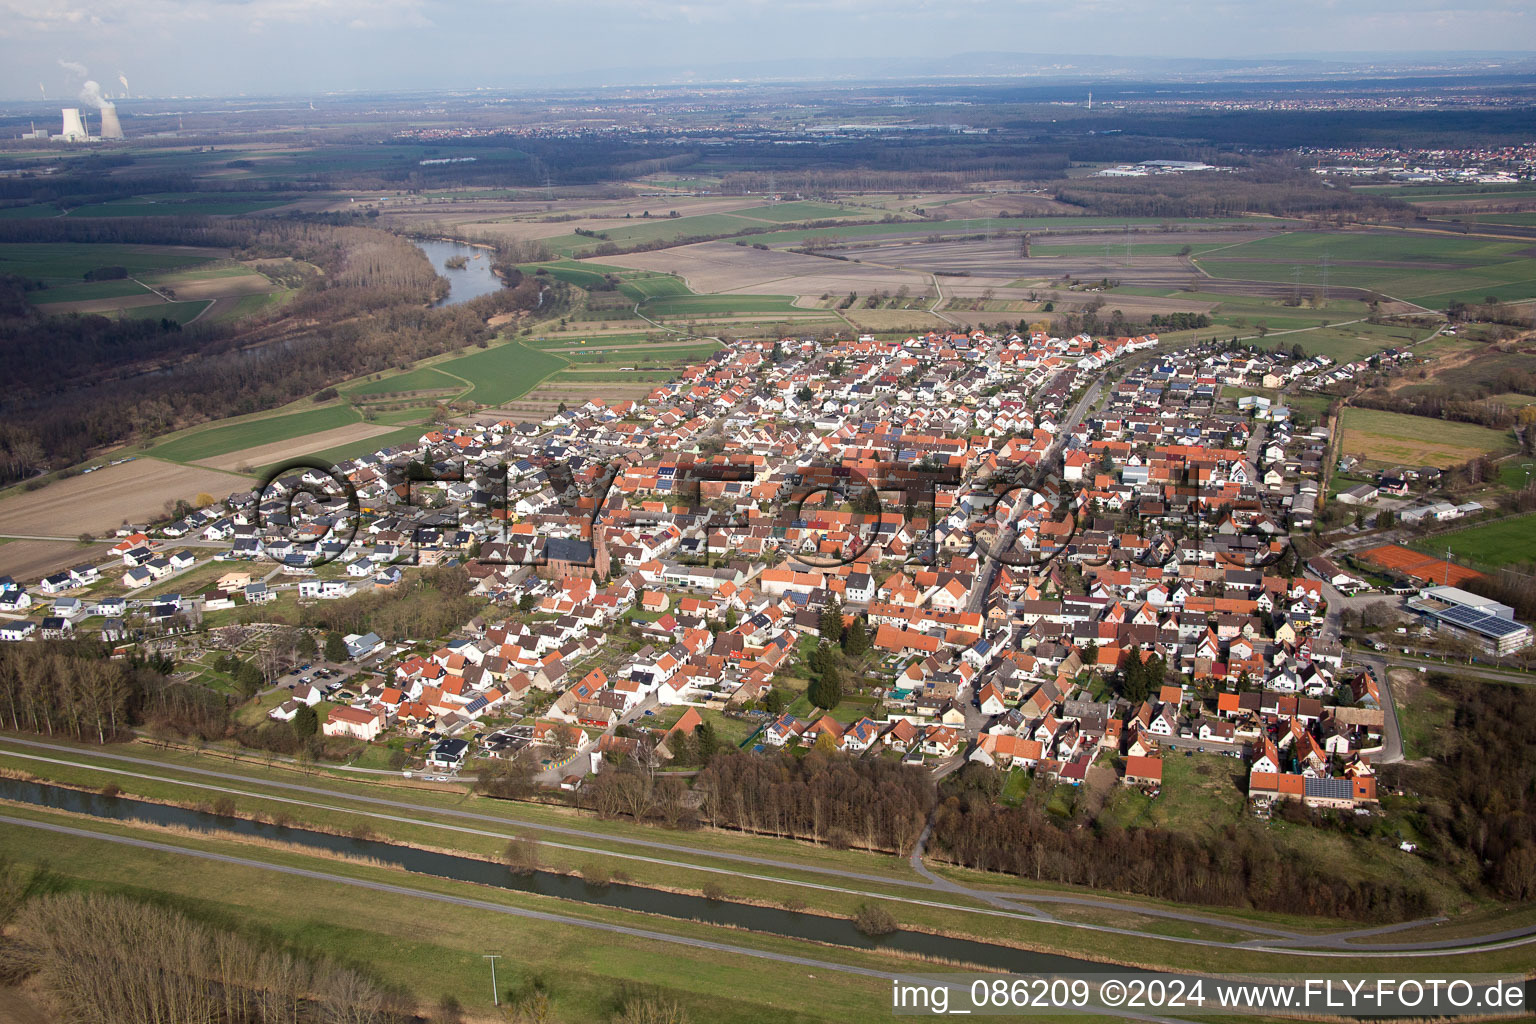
(771,920)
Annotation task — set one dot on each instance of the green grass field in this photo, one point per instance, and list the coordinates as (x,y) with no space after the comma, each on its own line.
(1439,193)
(67,262)
(251,305)
(423,378)
(189,205)
(653,286)
(1429,269)
(32,212)
(1526,219)
(209,442)
(1397,438)
(1510,542)
(788,213)
(181,312)
(85,291)
(504,372)
(627,354)
(614,376)
(401,436)
(717,305)
(583,971)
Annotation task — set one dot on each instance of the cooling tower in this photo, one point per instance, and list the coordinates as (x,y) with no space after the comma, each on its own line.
(110,128)
(74,128)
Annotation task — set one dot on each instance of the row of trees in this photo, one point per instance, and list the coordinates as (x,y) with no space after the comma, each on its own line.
(60,690)
(866,802)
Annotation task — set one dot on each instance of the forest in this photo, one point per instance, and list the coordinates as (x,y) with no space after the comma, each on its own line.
(71,690)
(1273,188)
(1239,866)
(1478,792)
(823,797)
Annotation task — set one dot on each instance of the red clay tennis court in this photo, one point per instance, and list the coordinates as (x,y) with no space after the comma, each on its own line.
(1420,566)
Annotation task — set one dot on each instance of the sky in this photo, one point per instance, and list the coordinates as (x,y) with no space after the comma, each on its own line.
(267,47)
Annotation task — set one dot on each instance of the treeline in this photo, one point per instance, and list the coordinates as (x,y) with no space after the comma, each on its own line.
(1462,403)
(832,798)
(1479,807)
(109,959)
(1238,867)
(89,376)
(1277,190)
(1090,320)
(1515,589)
(67,689)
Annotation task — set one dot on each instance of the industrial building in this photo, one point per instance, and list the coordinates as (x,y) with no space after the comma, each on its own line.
(1486,623)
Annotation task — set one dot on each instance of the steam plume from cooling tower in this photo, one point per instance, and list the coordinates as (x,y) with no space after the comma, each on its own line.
(124,79)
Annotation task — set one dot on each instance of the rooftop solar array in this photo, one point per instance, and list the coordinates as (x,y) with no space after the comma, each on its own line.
(1331,789)
(1479,621)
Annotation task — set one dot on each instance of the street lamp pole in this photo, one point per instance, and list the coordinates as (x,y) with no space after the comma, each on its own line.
(495,994)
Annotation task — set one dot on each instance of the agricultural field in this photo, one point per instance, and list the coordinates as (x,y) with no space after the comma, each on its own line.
(181,312)
(99,502)
(68,262)
(362,443)
(57,296)
(33,559)
(1394,439)
(1524,219)
(174,282)
(1510,542)
(714,305)
(1430,270)
(423,378)
(674,353)
(1440,193)
(310,444)
(207,442)
(724,267)
(179,204)
(503,372)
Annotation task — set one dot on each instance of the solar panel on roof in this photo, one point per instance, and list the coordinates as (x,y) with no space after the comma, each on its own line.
(1480,621)
(1462,616)
(1330,789)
